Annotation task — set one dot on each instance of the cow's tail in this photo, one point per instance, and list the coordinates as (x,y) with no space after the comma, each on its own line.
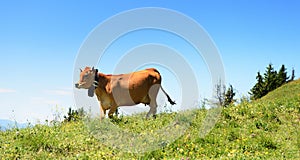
(169,99)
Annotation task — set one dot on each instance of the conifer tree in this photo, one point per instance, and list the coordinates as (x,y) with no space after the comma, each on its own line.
(224,97)
(282,76)
(229,95)
(293,75)
(259,88)
(270,82)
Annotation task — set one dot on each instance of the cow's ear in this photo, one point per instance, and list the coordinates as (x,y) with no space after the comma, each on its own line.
(91,91)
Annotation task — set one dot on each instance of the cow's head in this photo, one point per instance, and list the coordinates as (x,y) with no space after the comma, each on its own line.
(86,79)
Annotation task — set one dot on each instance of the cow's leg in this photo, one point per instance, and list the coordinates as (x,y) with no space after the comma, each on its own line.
(102,112)
(112,110)
(152,95)
(153,109)
(117,112)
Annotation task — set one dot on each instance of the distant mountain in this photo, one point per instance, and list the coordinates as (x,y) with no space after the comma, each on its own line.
(7,124)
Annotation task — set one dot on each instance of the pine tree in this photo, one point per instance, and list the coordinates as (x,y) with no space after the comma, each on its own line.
(293,75)
(259,88)
(224,97)
(270,78)
(282,76)
(229,96)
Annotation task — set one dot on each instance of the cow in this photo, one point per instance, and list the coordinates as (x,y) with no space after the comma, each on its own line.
(128,89)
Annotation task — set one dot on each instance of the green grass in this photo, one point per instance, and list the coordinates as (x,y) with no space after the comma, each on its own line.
(268,128)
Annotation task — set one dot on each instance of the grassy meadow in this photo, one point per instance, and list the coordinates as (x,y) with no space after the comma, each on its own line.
(268,128)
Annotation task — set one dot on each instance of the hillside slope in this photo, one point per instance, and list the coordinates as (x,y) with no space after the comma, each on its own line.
(289,91)
(264,129)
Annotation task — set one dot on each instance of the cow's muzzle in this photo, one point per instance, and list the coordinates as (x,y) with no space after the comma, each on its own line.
(77,85)
(82,85)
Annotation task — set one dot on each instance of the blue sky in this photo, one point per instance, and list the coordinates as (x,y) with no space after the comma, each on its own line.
(40,41)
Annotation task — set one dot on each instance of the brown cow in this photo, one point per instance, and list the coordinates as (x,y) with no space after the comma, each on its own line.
(122,90)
